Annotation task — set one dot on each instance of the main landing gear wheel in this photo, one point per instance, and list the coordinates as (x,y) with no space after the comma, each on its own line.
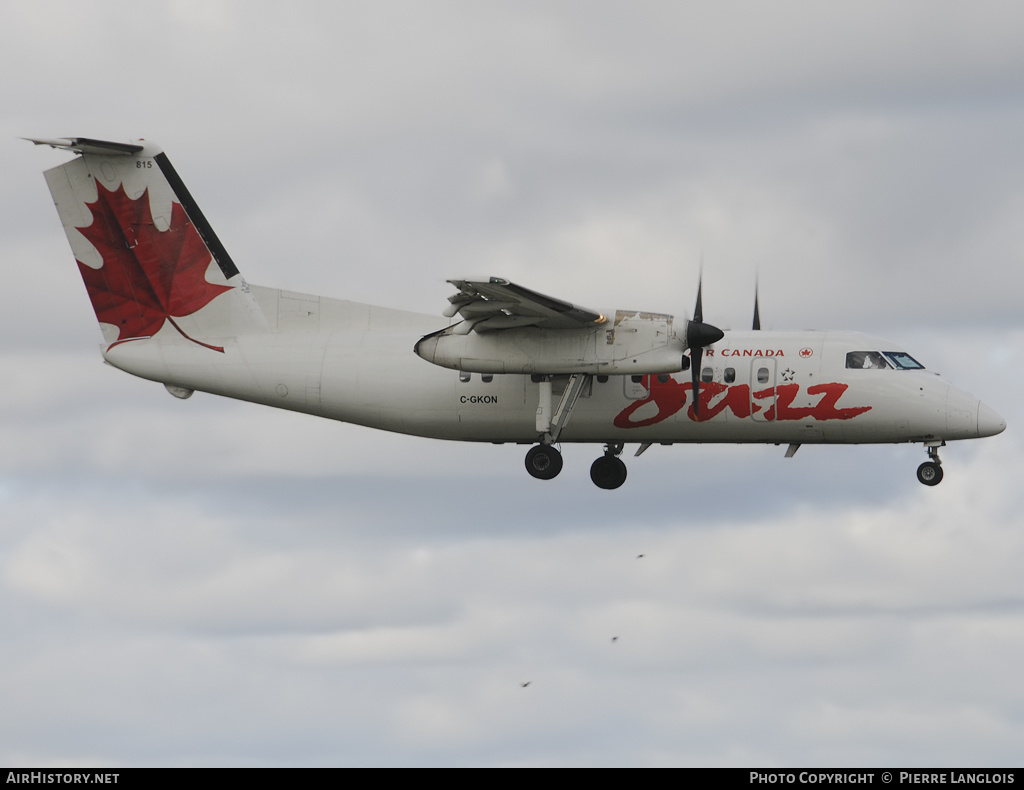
(544,462)
(929,473)
(608,472)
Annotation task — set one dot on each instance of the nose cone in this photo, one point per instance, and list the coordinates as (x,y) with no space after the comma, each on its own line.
(989,423)
(699,334)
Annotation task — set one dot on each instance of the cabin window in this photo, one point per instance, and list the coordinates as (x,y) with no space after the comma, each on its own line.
(729,376)
(866,360)
(487,378)
(762,375)
(636,379)
(903,360)
(464,376)
(707,375)
(602,379)
(663,378)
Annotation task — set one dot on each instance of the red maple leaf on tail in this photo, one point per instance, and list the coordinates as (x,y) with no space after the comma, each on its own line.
(148,275)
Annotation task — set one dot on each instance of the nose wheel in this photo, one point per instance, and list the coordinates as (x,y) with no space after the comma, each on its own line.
(608,471)
(930,472)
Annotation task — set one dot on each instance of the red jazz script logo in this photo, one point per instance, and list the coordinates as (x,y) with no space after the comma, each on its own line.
(776,403)
(148,276)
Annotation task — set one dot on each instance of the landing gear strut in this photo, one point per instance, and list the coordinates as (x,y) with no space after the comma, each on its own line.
(930,472)
(544,462)
(608,471)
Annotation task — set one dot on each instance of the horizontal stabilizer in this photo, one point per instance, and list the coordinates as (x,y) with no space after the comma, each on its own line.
(86,145)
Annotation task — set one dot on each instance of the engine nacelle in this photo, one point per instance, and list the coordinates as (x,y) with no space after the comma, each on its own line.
(634,343)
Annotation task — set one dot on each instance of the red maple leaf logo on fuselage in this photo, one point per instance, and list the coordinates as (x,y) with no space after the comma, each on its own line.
(148,276)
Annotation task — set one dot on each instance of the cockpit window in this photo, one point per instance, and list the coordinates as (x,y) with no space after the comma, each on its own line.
(866,360)
(903,360)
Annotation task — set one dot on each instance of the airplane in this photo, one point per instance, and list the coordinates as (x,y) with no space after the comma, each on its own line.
(502,363)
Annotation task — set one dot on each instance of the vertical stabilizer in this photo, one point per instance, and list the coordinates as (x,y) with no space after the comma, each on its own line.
(150,260)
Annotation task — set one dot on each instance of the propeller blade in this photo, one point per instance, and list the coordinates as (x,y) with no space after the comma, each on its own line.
(757,309)
(696,353)
(699,335)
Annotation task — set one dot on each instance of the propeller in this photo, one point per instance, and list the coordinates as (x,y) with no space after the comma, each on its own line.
(699,335)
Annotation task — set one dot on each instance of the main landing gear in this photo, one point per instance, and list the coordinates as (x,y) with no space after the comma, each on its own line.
(608,471)
(930,472)
(543,461)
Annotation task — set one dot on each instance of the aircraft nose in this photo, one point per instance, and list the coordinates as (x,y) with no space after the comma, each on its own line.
(989,422)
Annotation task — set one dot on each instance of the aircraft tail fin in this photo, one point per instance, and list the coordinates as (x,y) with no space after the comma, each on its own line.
(150,260)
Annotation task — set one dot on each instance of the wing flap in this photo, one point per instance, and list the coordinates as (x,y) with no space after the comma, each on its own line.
(496,304)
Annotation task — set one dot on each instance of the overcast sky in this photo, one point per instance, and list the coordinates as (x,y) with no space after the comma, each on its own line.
(215,583)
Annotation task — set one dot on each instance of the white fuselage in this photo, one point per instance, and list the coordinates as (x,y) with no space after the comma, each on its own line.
(516,366)
(355,363)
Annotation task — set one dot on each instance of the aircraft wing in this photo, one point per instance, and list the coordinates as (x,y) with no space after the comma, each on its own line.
(494,304)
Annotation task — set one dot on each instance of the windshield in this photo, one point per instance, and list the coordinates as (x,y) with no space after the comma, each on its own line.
(903,361)
(878,360)
(866,360)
